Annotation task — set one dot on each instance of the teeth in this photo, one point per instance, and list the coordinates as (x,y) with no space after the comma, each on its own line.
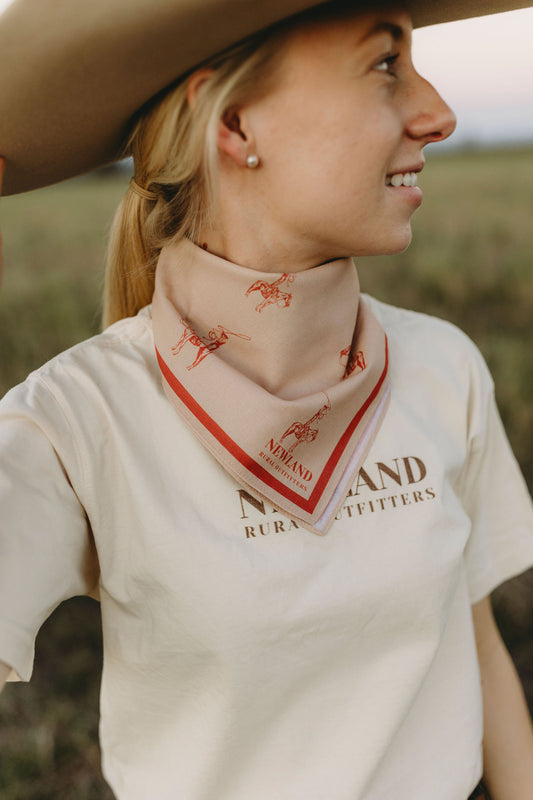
(402,179)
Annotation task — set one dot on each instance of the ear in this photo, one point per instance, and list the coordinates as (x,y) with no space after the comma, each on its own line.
(232,139)
(196,81)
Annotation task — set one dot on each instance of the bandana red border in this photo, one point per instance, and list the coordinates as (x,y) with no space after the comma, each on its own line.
(306,504)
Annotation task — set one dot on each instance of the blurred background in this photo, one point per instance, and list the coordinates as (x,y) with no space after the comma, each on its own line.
(470,262)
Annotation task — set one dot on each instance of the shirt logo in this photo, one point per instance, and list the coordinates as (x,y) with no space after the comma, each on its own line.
(380,487)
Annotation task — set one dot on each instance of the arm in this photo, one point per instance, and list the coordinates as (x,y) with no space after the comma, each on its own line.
(4,672)
(508,733)
(4,669)
(2,165)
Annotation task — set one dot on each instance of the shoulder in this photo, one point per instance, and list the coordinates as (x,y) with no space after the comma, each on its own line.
(429,342)
(104,364)
(405,322)
(436,368)
(126,341)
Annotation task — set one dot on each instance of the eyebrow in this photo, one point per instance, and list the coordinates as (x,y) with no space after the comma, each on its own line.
(395,31)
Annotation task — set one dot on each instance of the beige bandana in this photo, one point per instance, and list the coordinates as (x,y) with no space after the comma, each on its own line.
(283,377)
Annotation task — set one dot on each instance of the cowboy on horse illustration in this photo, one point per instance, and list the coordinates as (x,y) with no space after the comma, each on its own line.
(218,336)
(271,293)
(352,361)
(302,431)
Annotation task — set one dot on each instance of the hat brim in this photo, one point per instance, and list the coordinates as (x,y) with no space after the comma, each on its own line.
(75,72)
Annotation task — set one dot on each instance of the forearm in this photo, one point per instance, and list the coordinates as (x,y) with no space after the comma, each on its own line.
(508,732)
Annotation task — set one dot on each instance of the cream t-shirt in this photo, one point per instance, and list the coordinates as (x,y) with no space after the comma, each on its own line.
(245,657)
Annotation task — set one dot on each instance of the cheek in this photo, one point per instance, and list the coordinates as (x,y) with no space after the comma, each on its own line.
(362,153)
(331,163)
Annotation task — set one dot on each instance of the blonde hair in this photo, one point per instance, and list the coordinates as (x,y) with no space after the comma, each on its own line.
(174,149)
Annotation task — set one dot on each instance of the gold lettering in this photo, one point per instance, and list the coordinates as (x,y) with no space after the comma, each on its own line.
(394,474)
(253,501)
(421,469)
(364,479)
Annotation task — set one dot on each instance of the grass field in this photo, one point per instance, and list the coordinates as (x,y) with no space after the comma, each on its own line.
(470,262)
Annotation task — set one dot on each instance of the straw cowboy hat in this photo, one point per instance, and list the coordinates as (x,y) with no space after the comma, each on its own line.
(73,72)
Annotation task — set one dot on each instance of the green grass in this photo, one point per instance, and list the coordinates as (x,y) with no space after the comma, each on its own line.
(470,262)
(54,243)
(49,727)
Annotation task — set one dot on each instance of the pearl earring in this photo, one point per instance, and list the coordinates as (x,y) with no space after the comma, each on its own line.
(252,161)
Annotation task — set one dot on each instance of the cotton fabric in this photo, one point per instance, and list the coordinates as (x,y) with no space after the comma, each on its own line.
(244,656)
(287,400)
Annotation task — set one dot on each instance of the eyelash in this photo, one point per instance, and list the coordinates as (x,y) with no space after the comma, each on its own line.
(389,62)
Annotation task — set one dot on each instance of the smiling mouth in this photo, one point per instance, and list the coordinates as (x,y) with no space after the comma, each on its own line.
(402,179)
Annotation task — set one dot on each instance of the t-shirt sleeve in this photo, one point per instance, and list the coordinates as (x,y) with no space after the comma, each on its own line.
(495,496)
(46,550)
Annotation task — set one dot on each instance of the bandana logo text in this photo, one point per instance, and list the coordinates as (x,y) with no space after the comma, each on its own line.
(271,293)
(287,459)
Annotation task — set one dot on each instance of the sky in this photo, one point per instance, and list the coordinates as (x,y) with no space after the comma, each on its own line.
(484,69)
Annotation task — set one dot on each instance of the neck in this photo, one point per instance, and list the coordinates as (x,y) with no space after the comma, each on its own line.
(290,334)
(244,232)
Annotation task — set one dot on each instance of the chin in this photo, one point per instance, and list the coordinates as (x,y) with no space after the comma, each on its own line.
(397,243)
(389,247)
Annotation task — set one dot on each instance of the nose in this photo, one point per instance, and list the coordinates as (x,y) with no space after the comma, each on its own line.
(430,118)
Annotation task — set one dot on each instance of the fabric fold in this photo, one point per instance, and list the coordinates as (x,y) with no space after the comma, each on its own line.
(282,376)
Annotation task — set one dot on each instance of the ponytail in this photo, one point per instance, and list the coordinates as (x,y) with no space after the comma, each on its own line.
(129,277)
(175,159)
(162,203)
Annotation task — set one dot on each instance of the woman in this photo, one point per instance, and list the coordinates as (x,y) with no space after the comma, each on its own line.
(333,654)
